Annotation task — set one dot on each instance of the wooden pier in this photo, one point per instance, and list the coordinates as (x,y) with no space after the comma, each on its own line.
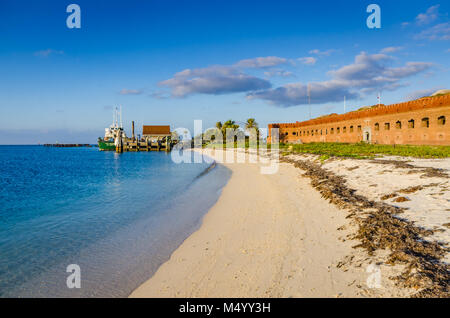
(134,145)
(154,138)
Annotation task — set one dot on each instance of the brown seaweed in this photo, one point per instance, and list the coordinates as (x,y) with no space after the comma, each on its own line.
(379,227)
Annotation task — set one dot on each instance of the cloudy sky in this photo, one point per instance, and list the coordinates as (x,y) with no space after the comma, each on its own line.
(171,62)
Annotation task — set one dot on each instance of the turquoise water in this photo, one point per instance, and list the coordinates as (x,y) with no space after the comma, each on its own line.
(117,216)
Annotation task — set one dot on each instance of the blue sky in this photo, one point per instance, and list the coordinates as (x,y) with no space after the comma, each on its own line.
(171,62)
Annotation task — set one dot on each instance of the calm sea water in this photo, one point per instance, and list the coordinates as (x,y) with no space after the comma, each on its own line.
(117,216)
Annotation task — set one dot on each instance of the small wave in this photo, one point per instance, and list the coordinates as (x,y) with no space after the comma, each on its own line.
(207,170)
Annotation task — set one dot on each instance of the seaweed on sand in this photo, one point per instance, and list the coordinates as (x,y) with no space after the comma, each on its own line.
(379,227)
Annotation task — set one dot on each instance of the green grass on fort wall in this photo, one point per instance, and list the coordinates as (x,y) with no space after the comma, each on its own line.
(364,150)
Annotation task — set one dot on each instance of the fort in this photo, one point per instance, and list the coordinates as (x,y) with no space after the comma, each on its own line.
(419,122)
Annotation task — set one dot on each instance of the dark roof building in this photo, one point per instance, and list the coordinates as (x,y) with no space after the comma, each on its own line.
(152,130)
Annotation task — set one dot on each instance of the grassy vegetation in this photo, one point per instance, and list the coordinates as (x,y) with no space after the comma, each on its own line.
(364,150)
(246,145)
(359,150)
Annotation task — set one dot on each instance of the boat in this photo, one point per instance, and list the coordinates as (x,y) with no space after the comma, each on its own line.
(112,133)
(155,137)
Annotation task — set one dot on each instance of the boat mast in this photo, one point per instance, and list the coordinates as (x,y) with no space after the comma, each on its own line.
(114,117)
(121,125)
(118,117)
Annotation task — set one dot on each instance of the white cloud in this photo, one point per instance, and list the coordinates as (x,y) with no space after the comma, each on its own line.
(367,74)
(261,62)
(420,93)
(411,68)
(307,60)
(429,16)
(213,80)
(159,95)
(391,49)
(322,53)
(48,52)
(278,72)
(130,92)
(296,93)
(224,79)
(438,32)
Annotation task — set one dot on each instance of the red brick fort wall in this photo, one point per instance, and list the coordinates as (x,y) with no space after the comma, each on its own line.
(420,122)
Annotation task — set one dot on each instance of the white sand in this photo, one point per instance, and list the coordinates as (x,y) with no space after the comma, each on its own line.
(428,207)
(269,236)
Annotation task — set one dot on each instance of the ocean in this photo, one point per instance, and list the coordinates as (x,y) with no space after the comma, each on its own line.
(117,216)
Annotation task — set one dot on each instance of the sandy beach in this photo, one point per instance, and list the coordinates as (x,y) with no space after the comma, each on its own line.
(274,235)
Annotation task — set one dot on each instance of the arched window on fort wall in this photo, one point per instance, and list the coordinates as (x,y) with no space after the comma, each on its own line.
(377,126)
(411,123)
(398,124)
(307,133)
(359,128)
(426,122)
(387,126)
(344,130)
(326,131)
(338,130)
(317,131)
(441,120)
(332,131)
(351,129)
(321,132)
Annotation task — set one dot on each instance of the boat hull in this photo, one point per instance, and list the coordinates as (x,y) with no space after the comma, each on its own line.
(106,146)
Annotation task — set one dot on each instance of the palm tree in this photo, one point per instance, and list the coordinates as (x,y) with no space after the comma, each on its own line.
(252,124)
(219,125)
(230,124)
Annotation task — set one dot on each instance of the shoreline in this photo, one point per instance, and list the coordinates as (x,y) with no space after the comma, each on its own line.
(119,241)
(270,236)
